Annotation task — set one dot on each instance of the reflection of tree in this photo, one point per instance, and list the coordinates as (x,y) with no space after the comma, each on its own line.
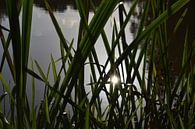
(176,45)
(136,18)
(2,8)
(61,5)
(57,5)
(173,42)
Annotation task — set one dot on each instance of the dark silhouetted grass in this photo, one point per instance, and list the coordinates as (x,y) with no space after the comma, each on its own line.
(146,95)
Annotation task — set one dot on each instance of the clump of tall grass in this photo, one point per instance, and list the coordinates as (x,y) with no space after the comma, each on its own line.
(150,103)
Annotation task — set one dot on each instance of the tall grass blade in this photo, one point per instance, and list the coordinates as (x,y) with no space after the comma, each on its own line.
(57,27)
(47,110)
(6,87)
(54,69)
(6,54)
(86,45)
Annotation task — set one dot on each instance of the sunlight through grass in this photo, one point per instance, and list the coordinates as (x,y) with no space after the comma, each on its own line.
(153,102)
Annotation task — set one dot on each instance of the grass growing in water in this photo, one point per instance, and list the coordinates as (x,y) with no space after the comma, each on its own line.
(158,103)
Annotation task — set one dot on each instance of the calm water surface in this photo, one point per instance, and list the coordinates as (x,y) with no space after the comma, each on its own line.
(45,42)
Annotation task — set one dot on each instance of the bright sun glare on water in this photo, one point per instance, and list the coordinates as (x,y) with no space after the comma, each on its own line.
(114,80)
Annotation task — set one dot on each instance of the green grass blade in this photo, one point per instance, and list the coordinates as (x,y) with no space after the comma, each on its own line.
(181,122)
(6,54)
(6,87)
(57,27)
(180,21)
(54,69)
(47,110)
(133,114)
(155,23)
(4,124)
(96,25)
(19,61)
(33,110)
(33,85)
(87,124)
(26,28)
(44,77)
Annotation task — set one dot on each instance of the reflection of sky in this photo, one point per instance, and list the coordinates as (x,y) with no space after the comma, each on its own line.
(44,36)
(44,39)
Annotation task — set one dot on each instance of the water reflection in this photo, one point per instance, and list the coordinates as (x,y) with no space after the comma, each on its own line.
(45,41)
(61,5)
(178,38)
(2,9)
(71,21)
(57,5)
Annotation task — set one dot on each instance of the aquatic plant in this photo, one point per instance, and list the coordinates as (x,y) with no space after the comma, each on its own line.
(156,101)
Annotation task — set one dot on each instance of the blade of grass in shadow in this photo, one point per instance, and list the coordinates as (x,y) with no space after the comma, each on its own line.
(20,56)
(47,110)
(33,110)
(154,24)
(95,27)
(116,42)
(4,124)
(83,8)
(87,119)
(180,21)
(137,41)
(170,117)
(103,34)
(35,75)
(6,87)
(57,27)
(185,61)
(78,107)
(13,14)
(181,122)
(64,58)
(6,54)
(54,69)
(26,34)
(133,114)
(94,76)
(43,76)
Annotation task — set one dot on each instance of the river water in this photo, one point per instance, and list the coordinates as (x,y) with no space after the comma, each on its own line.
(45,42)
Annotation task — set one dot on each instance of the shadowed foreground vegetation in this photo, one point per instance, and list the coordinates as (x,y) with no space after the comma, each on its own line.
(159,99)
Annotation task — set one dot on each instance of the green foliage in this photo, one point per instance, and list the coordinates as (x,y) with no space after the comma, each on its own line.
(156,101)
